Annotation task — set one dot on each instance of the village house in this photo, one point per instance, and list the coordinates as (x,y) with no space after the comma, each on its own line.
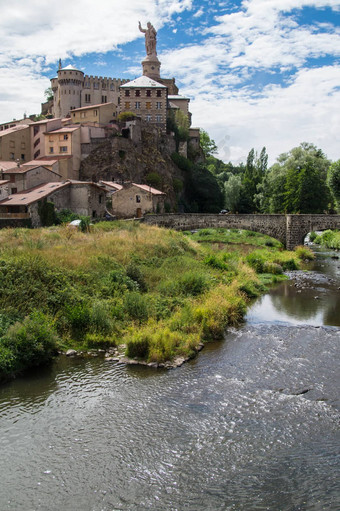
(4,188)
(101,114)
(37,131)
(15,143)
(83,198)
(134,200)
(23,177)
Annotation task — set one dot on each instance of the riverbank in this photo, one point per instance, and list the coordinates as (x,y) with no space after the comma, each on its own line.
(157,292)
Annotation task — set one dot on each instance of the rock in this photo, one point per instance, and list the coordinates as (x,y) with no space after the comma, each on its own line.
(71,353)
(112,359)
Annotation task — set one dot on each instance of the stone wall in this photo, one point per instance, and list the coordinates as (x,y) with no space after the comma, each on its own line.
(289,229)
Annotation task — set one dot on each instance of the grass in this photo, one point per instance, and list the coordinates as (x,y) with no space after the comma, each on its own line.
(158,291)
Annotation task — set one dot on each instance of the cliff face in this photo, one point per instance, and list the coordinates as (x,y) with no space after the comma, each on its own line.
(145,151)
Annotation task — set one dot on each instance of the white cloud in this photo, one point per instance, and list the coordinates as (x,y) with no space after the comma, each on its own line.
(35,34)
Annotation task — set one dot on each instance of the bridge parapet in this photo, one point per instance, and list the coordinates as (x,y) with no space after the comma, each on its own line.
(289,229)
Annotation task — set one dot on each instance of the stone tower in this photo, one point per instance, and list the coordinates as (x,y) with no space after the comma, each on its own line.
(67,90)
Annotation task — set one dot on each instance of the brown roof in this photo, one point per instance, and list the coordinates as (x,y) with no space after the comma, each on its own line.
(33,195)
(53,158)
(8,131)
(92,106)
(4,181)
(149,189)
(5,165)
(41,161)
(63,130)
(25,168)
(111,184)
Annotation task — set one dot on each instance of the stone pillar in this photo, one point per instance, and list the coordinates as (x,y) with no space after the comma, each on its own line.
(151,67)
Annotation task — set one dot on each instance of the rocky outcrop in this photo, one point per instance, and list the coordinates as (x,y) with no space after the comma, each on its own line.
(133,158)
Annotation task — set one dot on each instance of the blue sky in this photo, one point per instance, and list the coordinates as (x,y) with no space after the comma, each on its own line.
(258,72)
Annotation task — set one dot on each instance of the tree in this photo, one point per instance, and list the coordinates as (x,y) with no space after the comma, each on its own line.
(48,94)
(334,181)
(296,183)
(208,145)
(232,191)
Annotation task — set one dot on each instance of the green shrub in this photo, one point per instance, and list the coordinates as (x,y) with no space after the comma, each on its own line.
(78,318)
(312,236)
(215,262)
(29,343)
(289,265)
(256,261)
(274,268)
(100,318)
(304,253)
(138,345)
(192,284)
(136,307)
(134,272)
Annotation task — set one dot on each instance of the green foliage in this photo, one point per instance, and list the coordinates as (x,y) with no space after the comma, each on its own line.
(138,345)
(296,183)
(48,94)
(134,272)
(136,307)
(182,162)
(232,193)
(153,179)
(177,185)
(188,284)
(256,261)
(329,239)
(312,236)
(207,145)
(85,222)
(47,213)
(29,343)
(66,216)
(126,116)
(334,181)
(304,253)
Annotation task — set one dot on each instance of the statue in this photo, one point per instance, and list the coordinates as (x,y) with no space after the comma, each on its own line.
(150,38)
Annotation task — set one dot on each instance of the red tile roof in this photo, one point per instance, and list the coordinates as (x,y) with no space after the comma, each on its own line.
(149,189)
(33,195)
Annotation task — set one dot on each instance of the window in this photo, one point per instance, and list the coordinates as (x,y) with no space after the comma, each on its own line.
(63,149)
(95,113)
(51,150)
(158,105)
(159,93)
(11,155)
(127,104)
(158,118)
(137,93)
(148,118)
(36,154)
(137,198)
(50,139)
(65,137)
(103,85)
(104,99)
(11,143)
(35,143)
(87,98)
(23,145)
(12,178)
(148,93)
(148,105)
(96,85)
(14,190)
(112,87)
(127,93)
(87,85)
(82,115)
(22,156)
(100,198)
(35,130)
(137,105)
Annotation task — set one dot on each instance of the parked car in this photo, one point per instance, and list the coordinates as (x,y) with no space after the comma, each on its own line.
(223,212)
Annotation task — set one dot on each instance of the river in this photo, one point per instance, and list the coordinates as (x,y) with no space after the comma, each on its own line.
(250,424)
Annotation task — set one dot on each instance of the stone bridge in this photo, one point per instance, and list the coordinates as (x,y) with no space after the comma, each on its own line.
(291,230)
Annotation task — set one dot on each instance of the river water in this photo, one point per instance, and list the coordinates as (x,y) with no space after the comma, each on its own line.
(250,424)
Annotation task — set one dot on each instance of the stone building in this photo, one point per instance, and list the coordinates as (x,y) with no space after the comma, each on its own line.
(72,89)
(83,198)
(135,200)
(4,188)
(15,143)
(24,177)
(101,114)
(146,98)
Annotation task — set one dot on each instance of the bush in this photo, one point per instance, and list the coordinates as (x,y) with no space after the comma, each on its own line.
(135,305)
(215,262)
(77,318)
(126,116)
(138,345)
(29,343)
(312,236)
(304,253)
(192,284)
(135,273)
(256,261)
(274,268)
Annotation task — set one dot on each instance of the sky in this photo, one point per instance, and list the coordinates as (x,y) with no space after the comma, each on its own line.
(257,72)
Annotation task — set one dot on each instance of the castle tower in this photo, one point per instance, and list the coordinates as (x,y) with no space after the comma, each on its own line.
(67,90)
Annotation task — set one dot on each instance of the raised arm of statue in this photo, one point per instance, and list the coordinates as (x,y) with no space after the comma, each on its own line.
(140,27)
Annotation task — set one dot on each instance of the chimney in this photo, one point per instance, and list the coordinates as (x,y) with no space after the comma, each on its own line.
(18,162)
